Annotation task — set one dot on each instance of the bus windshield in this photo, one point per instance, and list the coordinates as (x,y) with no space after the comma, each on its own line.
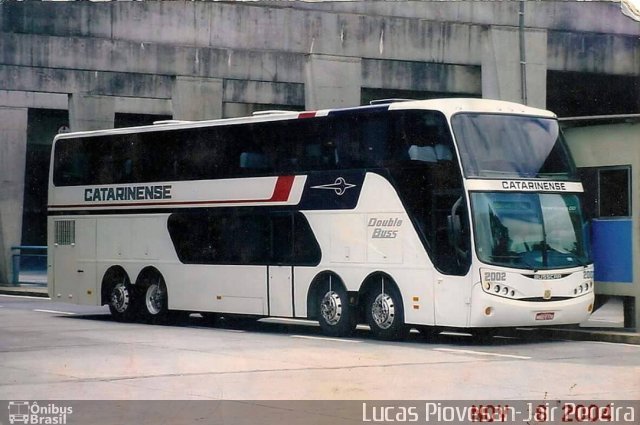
(493,145)
(529,230)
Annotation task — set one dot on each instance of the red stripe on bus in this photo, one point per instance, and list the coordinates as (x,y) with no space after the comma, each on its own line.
(283,189)
(281,193)
(307,114)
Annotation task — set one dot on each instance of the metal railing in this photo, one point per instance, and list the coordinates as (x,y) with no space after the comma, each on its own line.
(31,256)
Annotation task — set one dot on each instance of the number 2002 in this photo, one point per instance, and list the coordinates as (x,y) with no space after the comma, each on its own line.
(495,276)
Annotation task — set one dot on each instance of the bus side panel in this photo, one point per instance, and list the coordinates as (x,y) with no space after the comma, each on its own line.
(217,288)
(74,261)
(137,242)
(417,294)
(134,238)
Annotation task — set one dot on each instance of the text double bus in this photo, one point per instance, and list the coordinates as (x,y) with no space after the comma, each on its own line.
(456,213)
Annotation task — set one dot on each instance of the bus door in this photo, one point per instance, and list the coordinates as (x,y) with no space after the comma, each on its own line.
(280,270)
(74,261)
(452,299)
(280,291)
(452,281)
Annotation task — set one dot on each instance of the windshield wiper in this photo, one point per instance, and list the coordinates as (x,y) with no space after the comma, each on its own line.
(525,260)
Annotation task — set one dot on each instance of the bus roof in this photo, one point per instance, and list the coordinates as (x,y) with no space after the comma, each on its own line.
(451,106)
(448,106)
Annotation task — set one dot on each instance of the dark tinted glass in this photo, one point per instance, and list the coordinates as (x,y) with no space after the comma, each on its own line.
(232,237)
(369,139)
(511,146)
(614,193)
(606,191)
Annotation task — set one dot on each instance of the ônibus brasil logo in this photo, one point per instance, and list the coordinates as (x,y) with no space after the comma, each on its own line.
(25,412)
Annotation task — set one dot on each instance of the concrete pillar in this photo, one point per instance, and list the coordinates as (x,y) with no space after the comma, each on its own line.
(89,112)
(196,98)
(332,81)
(13,153)
(501,70)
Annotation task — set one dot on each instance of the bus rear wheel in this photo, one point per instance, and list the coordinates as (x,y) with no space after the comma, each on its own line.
(385,314)
(121,301)
(336,316)
(154,299)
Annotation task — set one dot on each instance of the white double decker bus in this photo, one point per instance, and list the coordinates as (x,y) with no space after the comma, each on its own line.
(455,213)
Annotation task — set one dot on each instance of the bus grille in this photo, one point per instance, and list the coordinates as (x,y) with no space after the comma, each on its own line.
(540,299)
(65,232)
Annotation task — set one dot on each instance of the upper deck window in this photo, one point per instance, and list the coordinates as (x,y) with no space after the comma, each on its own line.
(345,140)
(493,145)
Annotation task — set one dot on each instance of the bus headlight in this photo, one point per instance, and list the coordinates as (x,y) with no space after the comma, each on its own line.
(493,282)
(501,290)
(583,288)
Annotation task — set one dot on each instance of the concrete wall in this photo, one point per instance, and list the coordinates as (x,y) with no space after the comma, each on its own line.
(13,148)
(137,49)
(197,60)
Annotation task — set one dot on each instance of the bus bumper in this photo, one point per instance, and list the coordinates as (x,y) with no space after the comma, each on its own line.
(492,311)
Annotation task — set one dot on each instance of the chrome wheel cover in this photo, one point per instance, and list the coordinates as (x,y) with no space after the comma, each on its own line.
(331,308)
(154,299)
(120,298)
(383,311)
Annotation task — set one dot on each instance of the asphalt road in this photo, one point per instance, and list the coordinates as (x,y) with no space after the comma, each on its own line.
(53,351)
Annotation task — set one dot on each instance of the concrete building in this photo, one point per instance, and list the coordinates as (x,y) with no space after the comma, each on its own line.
(85,65)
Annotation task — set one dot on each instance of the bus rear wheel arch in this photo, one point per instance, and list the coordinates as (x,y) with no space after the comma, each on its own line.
(153,298)
(118,293)
(331,305)
(383,307)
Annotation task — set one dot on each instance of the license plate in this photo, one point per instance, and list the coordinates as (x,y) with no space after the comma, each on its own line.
(544,316)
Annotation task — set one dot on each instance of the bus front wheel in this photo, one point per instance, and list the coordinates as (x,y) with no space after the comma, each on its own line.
(385,314)
(336,316)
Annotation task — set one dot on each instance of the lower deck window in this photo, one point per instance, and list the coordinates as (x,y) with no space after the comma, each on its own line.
(232,237)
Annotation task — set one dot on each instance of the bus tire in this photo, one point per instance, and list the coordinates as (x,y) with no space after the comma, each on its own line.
(154,299)
(336,316)
(121,300)
(385,314)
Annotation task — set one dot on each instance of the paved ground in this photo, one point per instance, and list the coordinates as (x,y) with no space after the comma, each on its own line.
(57,351)
(606,324)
